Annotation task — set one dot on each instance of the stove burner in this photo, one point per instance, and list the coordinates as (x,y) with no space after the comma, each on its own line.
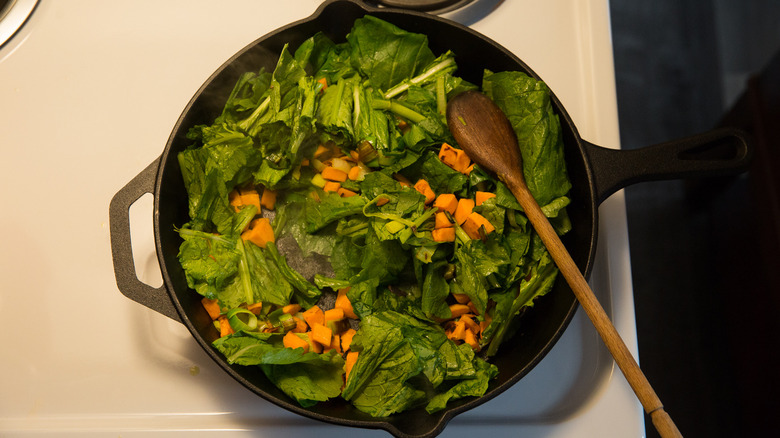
(436,6)
(13,14)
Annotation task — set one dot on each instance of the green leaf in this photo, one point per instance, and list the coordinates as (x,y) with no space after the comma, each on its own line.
(386,54)
(527,103)
(306,377)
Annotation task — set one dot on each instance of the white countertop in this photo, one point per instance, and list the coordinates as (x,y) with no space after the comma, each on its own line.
(89,93)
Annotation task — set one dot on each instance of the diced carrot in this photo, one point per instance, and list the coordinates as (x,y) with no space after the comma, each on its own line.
(321,150)
(470,339)
(485,323)
(292,340)
(459,309)
(260,232)
(473,307)
(481,197)
(212,307)
(321,334)
(324,82)
(305,162)
(461,298)
(446,202)
(464,209)
(315,347)
(458,331)
(224,326)
(292,309)
(474,221)
(255,308)
(354,173)
(235,199)
(346,338)
(330,173)
(441,220)
(268,200)
(424,188)
(335,314)
(470,324)
(300,325)
(332,186)
(349,362)
(382,201)
(345,193)
(454,158)
(250,197)
(469,169)
(335,344)
(343,303)
(443,234)
(313,316)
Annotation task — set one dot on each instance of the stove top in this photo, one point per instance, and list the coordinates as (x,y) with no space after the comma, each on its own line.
(89,93)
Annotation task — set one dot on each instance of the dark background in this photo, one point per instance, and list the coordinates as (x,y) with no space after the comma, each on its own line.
(705,253)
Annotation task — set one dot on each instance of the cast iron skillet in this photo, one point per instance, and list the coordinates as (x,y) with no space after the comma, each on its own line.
(595,172)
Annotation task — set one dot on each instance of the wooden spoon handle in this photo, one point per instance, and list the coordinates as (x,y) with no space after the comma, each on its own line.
(625,361)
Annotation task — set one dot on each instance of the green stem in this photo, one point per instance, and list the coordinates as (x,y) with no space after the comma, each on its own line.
(398,109)
(441,96)
(419,79)
(243,272)
(252,119)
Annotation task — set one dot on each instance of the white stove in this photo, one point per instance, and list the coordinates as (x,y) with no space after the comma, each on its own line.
(89,93)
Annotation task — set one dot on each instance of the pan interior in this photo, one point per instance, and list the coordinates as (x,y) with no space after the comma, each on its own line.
(539,329)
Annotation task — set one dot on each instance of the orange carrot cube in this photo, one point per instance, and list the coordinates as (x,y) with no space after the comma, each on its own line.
(330,173)
(464,209)
(292,340)
(314,316)
(446,202)
(212,307)
(481,197)
(443,234)
(424,188)
(259,232)
(441,220)
(268,200)
(321,334)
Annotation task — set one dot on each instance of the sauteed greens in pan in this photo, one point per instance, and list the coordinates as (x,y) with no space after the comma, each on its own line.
(344,151)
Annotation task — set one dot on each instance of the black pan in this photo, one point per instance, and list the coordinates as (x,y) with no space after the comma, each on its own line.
(595,172)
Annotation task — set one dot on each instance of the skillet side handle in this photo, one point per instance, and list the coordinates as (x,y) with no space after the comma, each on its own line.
(719,152)
(121,248)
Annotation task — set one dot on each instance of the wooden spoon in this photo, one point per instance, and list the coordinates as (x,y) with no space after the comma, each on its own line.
(487,137)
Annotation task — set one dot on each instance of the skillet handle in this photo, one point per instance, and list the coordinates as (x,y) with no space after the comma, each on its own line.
(718,152)
(122,251)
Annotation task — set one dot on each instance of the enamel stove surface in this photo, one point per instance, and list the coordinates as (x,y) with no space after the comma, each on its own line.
(89,93)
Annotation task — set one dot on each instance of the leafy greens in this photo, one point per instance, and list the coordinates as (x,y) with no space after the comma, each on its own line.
(381,90)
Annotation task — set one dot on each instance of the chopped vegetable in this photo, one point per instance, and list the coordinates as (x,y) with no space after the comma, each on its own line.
(268,200)
(446,202)
(474,222)
(464,209)
(292,340)
(455,158)
(425,275)
(443,234)
(212,307)
(424,188)
(481,197)
(260,232)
